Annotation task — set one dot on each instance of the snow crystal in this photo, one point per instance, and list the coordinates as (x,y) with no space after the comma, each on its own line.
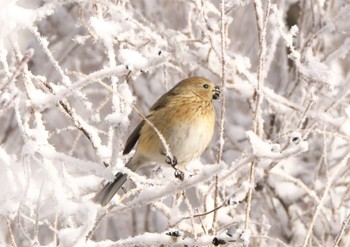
(80,39)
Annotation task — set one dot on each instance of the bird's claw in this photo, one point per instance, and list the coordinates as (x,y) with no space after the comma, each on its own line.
(171,161)
(179,174)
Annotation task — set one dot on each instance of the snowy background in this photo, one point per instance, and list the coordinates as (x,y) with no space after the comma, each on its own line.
(74,73)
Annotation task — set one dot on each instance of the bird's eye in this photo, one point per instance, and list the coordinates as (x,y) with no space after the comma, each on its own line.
(206,86)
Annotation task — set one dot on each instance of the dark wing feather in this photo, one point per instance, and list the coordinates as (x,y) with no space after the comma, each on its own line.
(160,103)
(133,138)
(164,100)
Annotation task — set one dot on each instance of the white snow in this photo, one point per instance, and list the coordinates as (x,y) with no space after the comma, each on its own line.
(132,59)
(104,59)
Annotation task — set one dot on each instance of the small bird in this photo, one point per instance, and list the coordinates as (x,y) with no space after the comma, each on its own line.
(185,116)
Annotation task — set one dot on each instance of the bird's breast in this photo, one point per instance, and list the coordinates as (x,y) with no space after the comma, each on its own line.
(188,140)
(187,130)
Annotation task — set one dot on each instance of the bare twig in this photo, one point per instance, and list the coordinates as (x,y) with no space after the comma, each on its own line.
(13,241)
(262,26)
(222,115)
(342,230)
(200,214)
(190,208)
(55,226)
(257,118)
(79,123)
(163,191)
(279,241)
(329,183)
(297,182)
(223,82)
(37,209)
(19,68)
(161,137)
(44,46)
(250,193)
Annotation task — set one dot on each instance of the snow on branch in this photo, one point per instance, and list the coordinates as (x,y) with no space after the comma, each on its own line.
(265,150)
(77,76)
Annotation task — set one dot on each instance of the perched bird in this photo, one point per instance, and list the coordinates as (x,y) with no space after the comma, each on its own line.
(185,116)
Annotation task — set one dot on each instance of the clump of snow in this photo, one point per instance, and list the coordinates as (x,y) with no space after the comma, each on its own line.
(132,59)
(260,147)
(244,236)
(105,29)
(240,194)
(13,18)
(315,71)
(263,149)
(101,57)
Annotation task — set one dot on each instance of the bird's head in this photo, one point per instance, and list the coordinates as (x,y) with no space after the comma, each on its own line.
(198,86)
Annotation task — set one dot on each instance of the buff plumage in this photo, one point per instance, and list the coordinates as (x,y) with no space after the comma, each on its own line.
(185,116)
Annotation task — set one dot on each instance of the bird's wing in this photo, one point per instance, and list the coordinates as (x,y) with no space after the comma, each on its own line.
(159,104)
(133,138)
(164,100)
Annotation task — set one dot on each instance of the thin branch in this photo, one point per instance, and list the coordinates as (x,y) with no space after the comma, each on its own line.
(223,82)
(190,208)
(149,195)
(297,182)
(19,68)
(222,115)
(37,209)
(237,197)
(55,231)
(44,43)
(12,237)
(342,230)
(161,137)
(279,241)
(250,193)
(257,118)
(200,214)
(262,26)
(79,123)
(329,183)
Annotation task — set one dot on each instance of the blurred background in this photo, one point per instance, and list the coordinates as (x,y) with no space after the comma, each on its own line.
(70,70)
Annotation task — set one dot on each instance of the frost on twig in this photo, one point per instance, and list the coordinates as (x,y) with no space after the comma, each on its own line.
(9,92)
(73,74)
(265,150)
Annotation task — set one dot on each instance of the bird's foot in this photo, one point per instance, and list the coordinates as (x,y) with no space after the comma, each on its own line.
(171,161)
(179,174)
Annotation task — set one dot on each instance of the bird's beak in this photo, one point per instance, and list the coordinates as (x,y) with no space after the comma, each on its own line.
(216,92)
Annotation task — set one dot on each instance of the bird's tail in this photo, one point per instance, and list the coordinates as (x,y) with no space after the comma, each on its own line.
(111,188)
